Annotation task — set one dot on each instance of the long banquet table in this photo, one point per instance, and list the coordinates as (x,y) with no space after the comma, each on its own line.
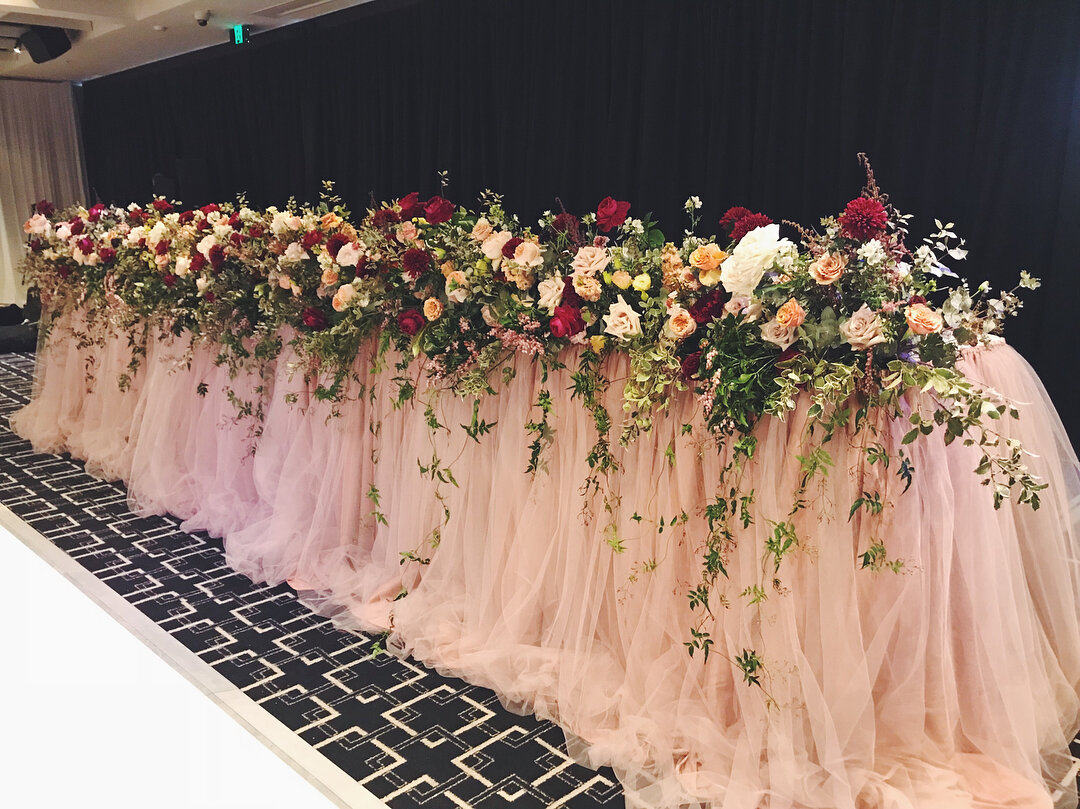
(953,683)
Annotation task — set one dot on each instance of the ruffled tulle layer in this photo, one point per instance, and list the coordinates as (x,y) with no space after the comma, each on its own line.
(951,683)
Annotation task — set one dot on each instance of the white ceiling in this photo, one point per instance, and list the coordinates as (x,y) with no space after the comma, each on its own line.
(108,36)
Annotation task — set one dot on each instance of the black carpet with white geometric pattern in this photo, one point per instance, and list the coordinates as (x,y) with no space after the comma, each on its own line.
(407,734)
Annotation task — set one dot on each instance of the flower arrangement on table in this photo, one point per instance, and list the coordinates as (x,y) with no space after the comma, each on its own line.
(748,321)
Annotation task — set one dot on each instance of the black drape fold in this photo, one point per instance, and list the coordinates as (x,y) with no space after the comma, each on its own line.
(969,109)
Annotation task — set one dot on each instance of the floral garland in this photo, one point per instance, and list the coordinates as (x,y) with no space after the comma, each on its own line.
(748,321)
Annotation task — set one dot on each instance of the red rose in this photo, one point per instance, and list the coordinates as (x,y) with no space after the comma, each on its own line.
(707,308)
(137,217)
(410,322)
(94,214)
(162,206)
(76,226)
(169,279)
(107,254)
(733,215)
(203,224)
(384,218)
(209,209)
(748,223)
(198,261)
(217,256)
(335,243)
(45,208)
(187,216)
(863,219)
(365,268)
(234,221)
(438,210)
(86,246)
(311,238)
(415,261)
(314,318)
(690,364)
(255,231)
(410,206)
(510,247)
(611,214)
(162,247)
(566,322)
(236,239)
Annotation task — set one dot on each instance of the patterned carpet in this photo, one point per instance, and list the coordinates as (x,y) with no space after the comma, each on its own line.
(410,736)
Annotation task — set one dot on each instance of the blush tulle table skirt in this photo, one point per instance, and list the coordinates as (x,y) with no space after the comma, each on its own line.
(953,683)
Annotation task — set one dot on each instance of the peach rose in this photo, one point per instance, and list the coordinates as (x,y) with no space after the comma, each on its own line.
(330,276)
(680,324)
(791,315)
(433,309)
(827,269)
(408,232)
(621,279)
(284,281)
(587,287)
(527,254)
(590,260)
(922,319)
(707,257)
(446,268)
(330,220)
(863,330)
(342,297)
(778,334)
(481,230)
(622,321)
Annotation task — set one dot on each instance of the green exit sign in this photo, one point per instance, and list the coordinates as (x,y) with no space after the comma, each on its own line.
(241,34)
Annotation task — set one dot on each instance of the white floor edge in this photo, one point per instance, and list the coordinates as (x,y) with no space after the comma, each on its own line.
(335,784)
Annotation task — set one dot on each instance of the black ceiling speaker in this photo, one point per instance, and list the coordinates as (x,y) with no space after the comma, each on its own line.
(44,44)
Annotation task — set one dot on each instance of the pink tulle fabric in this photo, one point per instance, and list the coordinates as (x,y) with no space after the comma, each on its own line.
(951,683)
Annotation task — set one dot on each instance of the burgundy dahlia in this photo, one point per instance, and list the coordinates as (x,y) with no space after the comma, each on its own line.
(438,210)
(384,218)
(162,206)
(234,220)
(335,243)
(108,255)
(410,322)
(748,223)
(162,247)
(733,215)
(169,279)
(94,214)
(863,219)
(198,261)
(236,238)
(255,231)
(86,246)
(217,256)
(310,239)
(45,208)
(76,226)
(415,261)
(707,308)
(209,209)
(314,318)
(187,216)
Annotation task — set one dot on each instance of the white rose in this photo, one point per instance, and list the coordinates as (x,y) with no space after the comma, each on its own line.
(349,255)
(222,229)
(621,320)
(205,245)
(135,236)
(753,255)
(527,254)
(863,329)
(183,266)
(293,253)
(551,290)
(589,261)
(773,332)
(63,232)
(457,286)
(201,284)
(492,246)
(156,234)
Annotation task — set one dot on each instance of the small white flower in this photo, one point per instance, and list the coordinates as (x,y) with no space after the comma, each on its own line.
(872,253)
(692,203)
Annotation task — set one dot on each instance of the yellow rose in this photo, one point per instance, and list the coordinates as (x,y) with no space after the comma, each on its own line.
(598,342)
(621,279)
(642,282)
(710,278)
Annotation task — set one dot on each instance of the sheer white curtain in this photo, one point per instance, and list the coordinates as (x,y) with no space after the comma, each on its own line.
(40,157)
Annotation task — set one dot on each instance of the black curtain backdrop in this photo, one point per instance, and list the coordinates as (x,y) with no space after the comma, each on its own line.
(969,110)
